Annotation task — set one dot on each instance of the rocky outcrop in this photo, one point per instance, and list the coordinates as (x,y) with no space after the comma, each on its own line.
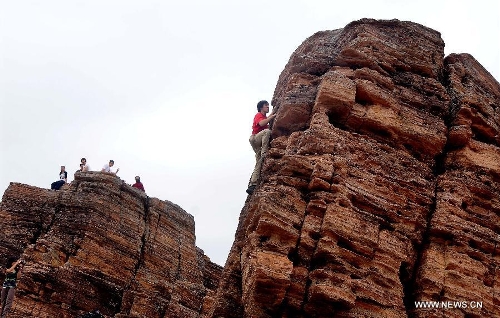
(381,187)
(460,260)
(101,244)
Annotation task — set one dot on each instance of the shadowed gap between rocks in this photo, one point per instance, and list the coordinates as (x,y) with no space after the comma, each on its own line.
(140,261)
(40,229)
(293,256)
(407,275)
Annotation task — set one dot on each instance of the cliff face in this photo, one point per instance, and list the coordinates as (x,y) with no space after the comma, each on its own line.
(381,187)
(101,244)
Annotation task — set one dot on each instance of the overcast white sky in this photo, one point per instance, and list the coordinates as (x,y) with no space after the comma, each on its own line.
(169,89)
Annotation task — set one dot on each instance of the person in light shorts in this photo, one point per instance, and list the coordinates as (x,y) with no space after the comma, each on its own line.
(259,140)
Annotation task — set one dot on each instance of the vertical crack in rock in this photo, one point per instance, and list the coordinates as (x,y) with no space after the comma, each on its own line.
(310,268)
(293,257)
(140,260)
(408,275)
(144,236)
(179,259)
(41,230)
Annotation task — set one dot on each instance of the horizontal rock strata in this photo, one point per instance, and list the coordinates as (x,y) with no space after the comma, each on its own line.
(101,244)
(381,190)
(381,187)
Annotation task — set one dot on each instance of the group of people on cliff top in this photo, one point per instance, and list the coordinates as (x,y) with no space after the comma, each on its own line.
(84,167)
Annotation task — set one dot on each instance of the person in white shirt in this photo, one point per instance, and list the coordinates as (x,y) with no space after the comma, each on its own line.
(108,168)
(84,167)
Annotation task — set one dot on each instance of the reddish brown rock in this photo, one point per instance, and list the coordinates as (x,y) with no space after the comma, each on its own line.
(102,244)
(460,259)
(381,187)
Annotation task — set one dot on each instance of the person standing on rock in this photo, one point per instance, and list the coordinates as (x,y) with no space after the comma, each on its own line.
(14,266)
(138,184)
(63,176)
(259,140)
(107,168)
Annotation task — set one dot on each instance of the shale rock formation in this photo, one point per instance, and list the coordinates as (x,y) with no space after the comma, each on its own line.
(101,244)
(381,187)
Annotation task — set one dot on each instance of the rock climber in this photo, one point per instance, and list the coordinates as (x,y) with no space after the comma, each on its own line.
(259,140)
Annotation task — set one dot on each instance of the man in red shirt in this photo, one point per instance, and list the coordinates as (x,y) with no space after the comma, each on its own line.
(138,184)
(259,140)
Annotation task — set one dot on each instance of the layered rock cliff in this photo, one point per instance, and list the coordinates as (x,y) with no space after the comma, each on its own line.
(381,187)
(101,244)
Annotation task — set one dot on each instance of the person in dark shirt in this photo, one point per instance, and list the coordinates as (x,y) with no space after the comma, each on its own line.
(14,266)
(138,184)
(63,176)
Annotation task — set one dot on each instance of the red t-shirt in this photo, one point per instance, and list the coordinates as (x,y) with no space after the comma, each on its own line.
(256,128)
(139,186)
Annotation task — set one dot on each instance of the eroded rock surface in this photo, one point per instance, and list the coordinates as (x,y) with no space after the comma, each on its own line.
(101,244)
(381,187)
